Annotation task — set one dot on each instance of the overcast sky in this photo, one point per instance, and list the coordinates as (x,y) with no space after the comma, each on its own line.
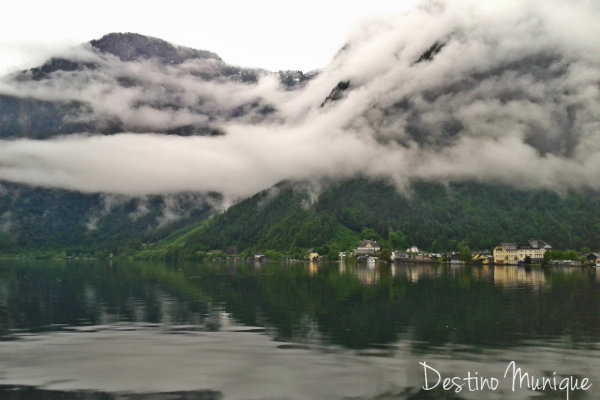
(270,34)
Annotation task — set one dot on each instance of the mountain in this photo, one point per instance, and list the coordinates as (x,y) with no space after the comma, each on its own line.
(52,221)
(151,75)
(500,106)
(133,46)
(286,218)
(126,82)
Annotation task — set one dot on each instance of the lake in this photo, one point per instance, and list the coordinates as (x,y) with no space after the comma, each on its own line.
(140,330)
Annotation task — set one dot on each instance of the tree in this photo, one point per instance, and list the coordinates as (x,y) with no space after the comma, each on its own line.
(323,250)
(547,257)
(397,239)
(369,234)
(465,254)
(333,254)
(585,250)
(6,244)
(385,254)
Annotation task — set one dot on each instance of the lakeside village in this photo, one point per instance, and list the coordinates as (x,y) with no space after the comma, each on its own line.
(532,251)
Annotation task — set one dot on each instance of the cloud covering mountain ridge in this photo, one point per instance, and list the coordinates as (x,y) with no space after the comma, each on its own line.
(457,90)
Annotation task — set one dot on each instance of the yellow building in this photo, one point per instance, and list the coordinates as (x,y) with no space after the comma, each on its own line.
(506,253)
(483,258)
(531,250)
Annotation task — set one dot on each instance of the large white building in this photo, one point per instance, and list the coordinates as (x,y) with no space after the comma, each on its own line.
(531,250)
(367,247)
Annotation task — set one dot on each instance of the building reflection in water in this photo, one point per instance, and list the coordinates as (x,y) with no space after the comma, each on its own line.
(507,276)
(342,267)
(415,272)
(368,274)
(313,268)
(513,276)
(483,272)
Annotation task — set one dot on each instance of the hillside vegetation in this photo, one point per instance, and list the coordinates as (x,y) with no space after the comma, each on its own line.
(432,216)
(59,222)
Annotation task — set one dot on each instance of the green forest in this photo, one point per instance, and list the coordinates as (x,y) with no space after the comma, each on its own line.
(284,220)
(290,218)
(58,223)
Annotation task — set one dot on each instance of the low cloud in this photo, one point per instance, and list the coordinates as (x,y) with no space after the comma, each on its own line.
(6,222)
(512,97)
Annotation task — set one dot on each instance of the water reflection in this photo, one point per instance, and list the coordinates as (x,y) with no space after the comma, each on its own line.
(44,296)
(353,305)
(313,268)
(367,274)
(415,272)
(347,326)
(512,276)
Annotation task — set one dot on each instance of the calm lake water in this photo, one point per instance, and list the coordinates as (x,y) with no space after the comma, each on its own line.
(134,330)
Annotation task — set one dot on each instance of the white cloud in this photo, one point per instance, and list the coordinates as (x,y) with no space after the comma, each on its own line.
(511,98)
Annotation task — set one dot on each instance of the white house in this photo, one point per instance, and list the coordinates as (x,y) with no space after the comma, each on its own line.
(367,247)
(413,249)
(532,249)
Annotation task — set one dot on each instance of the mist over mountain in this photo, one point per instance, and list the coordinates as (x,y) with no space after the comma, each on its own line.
(126,82)
(39,219)
(502,93)
(450,91)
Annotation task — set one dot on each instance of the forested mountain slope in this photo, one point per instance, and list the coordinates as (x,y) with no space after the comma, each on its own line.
(432,216)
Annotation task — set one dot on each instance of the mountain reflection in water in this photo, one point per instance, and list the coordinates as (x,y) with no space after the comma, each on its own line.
(350,305)
(219,322)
